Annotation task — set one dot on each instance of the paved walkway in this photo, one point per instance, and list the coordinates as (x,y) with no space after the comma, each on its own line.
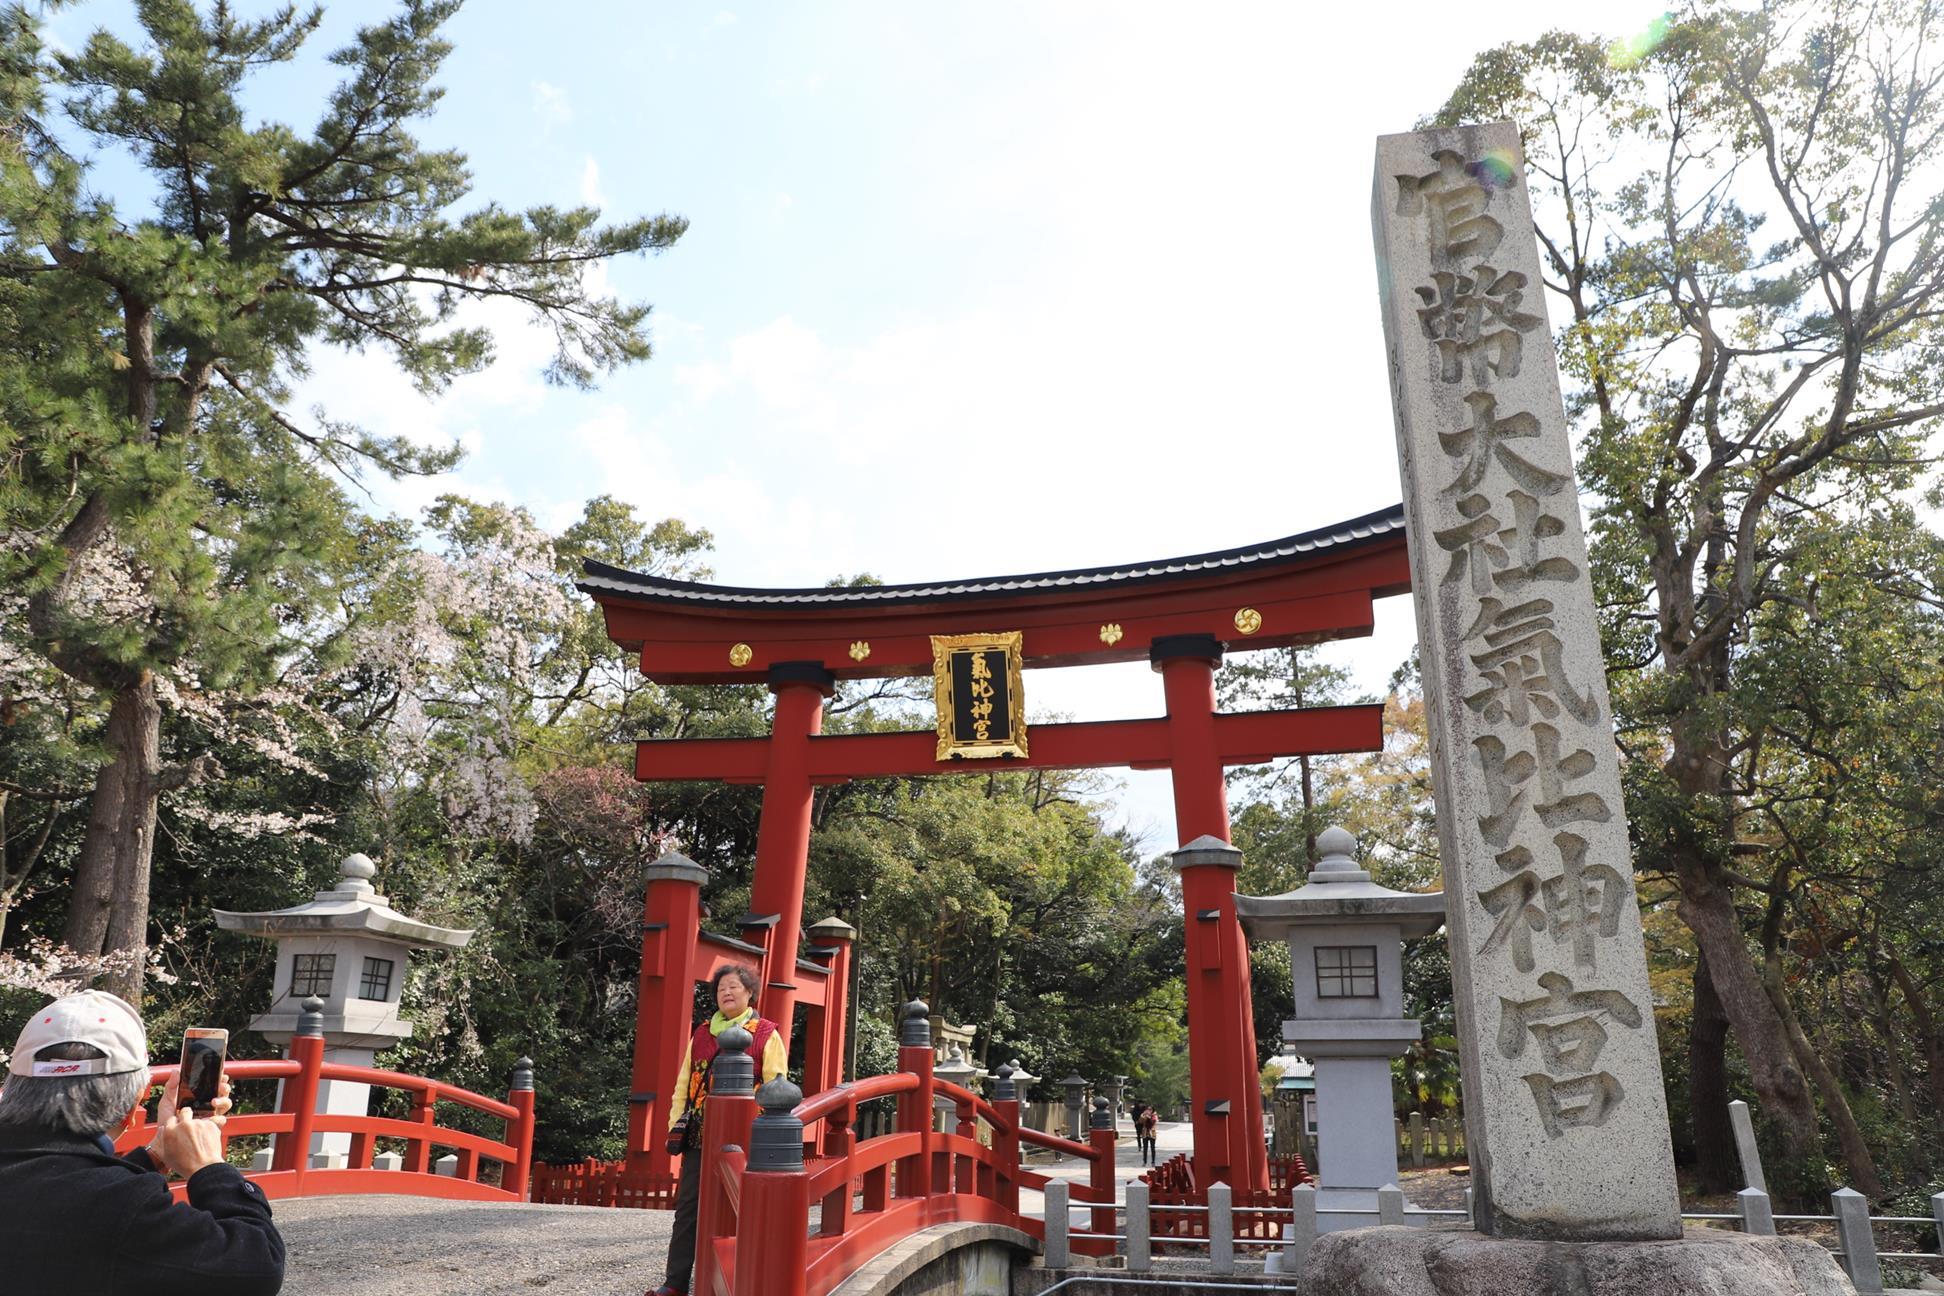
(1170,1137)
(413,1246)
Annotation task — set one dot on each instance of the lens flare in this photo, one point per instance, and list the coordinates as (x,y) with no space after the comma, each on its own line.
(1632,51)
(1496,170)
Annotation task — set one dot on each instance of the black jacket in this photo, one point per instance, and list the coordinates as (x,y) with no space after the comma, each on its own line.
(76,1219)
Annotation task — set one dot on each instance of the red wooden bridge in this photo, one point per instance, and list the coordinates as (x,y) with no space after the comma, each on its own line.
(486,1169)
(775,1222)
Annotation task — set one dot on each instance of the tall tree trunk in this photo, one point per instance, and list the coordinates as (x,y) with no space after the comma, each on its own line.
(1309,812)
(1927,1032)
(1699,766)
(1892,1050)
(1780,1087)
(108,910)
(1715,1160)
(1856,1150)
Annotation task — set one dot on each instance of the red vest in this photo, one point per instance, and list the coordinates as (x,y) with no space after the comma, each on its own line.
(702,1055)
(703,1046)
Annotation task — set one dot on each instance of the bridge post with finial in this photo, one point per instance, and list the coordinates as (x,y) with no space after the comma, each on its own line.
(299,1097)
(726,1117)
(772,1242)
(915,1058)
(1005,1135)
(1100,1137)
(519,1131)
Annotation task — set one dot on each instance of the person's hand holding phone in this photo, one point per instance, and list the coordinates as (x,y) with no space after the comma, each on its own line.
(187,1143)
(168,1114)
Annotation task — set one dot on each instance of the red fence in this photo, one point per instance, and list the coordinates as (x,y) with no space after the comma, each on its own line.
(1258,1215)
(602,1183)
(297,1119)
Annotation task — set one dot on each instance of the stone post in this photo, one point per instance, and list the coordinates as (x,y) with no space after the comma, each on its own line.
(1567,1120)
(1058,1251)
(1746,1149)
(1139,1247)
(1221,1228)
(1757,1215)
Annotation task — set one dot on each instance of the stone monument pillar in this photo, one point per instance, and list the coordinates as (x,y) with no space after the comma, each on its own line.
(348,947)
(1565,1116)
(1564,1108)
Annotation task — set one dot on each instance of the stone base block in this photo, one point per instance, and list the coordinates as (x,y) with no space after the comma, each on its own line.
(1705,1262)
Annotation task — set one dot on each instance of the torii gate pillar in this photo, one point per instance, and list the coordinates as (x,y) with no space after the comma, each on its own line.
(783,832)
(1223,1090)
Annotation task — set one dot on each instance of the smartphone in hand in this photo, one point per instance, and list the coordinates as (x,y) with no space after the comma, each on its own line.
(204,1050)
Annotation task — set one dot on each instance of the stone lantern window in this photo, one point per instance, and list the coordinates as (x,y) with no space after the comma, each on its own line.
(1346,972)
(310,974)
(377,979)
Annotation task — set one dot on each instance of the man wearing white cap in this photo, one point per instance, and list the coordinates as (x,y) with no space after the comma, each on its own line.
(77,1218)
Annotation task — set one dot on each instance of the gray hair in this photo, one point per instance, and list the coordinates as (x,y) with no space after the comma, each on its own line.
(86,1105)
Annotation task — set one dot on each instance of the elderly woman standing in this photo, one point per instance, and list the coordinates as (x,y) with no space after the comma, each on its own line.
(81,1219)
(735,990)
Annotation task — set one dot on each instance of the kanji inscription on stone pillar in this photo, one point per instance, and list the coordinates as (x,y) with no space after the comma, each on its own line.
(1564,1108)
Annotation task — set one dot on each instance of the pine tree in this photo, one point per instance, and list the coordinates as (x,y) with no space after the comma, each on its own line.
(166,515)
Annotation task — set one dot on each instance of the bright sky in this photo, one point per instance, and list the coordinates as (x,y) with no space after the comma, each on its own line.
(1116,255)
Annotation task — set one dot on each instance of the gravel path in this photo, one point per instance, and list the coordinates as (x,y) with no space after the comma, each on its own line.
(414,1246)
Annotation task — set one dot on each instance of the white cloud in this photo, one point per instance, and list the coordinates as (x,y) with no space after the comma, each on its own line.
(551,104)
(701,381)
(590,184)
(785,363)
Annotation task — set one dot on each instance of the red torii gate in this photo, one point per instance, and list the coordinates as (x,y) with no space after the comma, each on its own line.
(1180,614)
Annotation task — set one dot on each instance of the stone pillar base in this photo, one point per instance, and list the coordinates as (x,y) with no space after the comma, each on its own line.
(1705,1262)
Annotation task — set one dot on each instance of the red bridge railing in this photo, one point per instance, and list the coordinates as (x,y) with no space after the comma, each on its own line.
(756,1231)
(296,1120)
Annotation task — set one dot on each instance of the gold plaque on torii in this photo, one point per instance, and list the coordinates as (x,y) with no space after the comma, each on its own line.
(981,706)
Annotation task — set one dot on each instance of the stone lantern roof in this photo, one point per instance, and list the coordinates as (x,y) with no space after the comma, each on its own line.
(1339,892)
(352,908)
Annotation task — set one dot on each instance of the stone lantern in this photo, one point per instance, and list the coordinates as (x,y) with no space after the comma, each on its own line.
(954,1069)
(348,947)
(1076,1104)
(1346,939)
(1023,1081)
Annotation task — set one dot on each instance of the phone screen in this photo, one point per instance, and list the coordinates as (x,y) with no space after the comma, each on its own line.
(203,1052)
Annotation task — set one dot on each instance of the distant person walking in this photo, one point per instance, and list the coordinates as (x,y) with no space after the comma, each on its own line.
(735,990)
(1144,1123)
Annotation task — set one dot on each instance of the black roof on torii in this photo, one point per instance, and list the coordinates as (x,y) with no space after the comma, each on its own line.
(604,580)
(1304,588)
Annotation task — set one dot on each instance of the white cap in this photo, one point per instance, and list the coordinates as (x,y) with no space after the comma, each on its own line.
(91,1017)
